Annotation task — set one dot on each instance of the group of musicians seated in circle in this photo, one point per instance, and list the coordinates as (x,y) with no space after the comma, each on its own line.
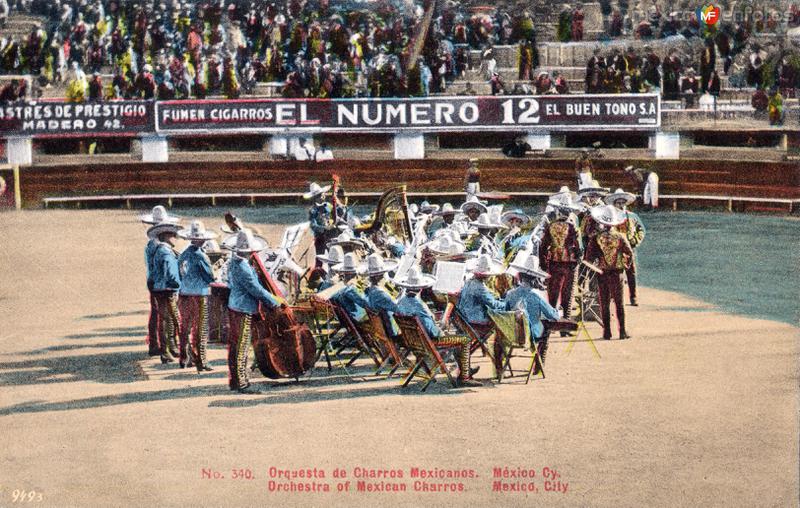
(512,263)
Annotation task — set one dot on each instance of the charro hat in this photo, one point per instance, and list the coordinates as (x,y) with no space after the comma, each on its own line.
(416,280)
(486,222)
(607,215)
(332,256)
(446,246)
(164,227)
(245,242)
(231,219)
(618,195)
(197,231)
(158,215)
(346,239)
(564,198)
(348,265)
(427,208)
(315,190)
(530,267)
(593,190)
(514,214)
(447,209)
(473,202)
(376,265)
(487,266)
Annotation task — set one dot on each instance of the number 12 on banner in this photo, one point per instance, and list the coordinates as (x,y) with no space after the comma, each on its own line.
(529,111)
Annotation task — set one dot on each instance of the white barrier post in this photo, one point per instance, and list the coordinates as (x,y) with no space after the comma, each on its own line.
(409,146)
(667,145)
(19,151)
(155,148)
(539,141)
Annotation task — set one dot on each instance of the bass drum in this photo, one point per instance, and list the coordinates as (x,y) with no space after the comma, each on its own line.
(283,347)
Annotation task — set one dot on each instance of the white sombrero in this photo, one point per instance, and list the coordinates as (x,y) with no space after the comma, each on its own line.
(618,195)
(486,222)
(447,209)
(608,215)
(197,231)
(348,265)
(376,265)
(164,227)
(416,280)
(159,215)
(530,267)
(245,241)
(332,256)
(346,239)
(514,214)
(487,266)
(593,190)
(564,198)
(473,202)
(445,245)
(428,208)
(315,190)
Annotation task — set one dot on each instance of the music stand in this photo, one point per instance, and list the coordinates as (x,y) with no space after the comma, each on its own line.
(582,330)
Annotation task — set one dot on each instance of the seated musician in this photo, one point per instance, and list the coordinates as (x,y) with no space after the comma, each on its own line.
(472,209)
(525,296)
(485,240)
(379,300)
(412,305)
(246,293)
(441,219)
(350,298)
(322,278)
(476,298)
(196,275)
(517,233)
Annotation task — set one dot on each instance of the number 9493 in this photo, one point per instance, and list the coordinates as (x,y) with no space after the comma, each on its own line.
(25,496)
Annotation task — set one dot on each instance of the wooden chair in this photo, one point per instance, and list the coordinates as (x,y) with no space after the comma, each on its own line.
(427,352)
(520,340)
(326,328)
(359,341)
(478,341)
(387,347)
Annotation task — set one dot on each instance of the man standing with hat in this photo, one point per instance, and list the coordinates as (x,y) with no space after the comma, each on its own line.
(589,197)
(412,305)
(611,252)
(320,215)
(633,230)
(378,299)
(166,282)
(560,252)
(524,296)
(196,275)
(246,293)
(158,215)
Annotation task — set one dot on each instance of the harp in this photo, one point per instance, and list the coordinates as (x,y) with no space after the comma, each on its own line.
(391,216)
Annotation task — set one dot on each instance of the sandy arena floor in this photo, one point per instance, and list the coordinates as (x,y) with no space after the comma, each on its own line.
(700,408)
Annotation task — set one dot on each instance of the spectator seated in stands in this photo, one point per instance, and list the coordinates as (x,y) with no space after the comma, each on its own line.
(775,107)
(760,103)
(516,148)
(323,154)
(689,88)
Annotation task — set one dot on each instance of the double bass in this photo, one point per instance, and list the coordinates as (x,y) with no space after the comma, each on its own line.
(283,346)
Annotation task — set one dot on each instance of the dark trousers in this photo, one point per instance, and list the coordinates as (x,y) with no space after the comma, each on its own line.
(560,284)
(194,329)
(168,323)
(152,326)
(319,248)
(630,275)
(610,285)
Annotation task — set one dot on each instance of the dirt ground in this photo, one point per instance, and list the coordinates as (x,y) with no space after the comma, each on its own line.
(699,408)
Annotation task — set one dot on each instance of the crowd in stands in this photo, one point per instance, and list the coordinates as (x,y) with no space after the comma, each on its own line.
(173,49)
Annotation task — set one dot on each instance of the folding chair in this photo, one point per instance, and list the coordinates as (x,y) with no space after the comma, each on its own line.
(513,332)
(478,341)
(427,353)
(326,328)
(357,339)
(387,346)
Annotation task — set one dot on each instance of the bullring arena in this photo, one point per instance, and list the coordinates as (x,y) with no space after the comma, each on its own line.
(698,407)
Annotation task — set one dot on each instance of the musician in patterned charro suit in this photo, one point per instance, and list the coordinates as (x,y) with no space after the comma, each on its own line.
(320,216)
(246,293)
(560,253)
(166,283)
(633,229)
(157,216)
(196,275)
(611,252)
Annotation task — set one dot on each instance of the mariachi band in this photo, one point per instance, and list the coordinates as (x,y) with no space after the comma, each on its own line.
(511,264)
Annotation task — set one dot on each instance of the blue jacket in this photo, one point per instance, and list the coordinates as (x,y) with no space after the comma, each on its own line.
(196,272)
(535,308)
(319,216)
(381,302)
(352,301)
(475,299)
(413,306)
(164,269)
(246,291)
(149,253)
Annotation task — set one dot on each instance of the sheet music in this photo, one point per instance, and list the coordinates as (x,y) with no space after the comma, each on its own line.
(406,262)
(449,277)
(293,234)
